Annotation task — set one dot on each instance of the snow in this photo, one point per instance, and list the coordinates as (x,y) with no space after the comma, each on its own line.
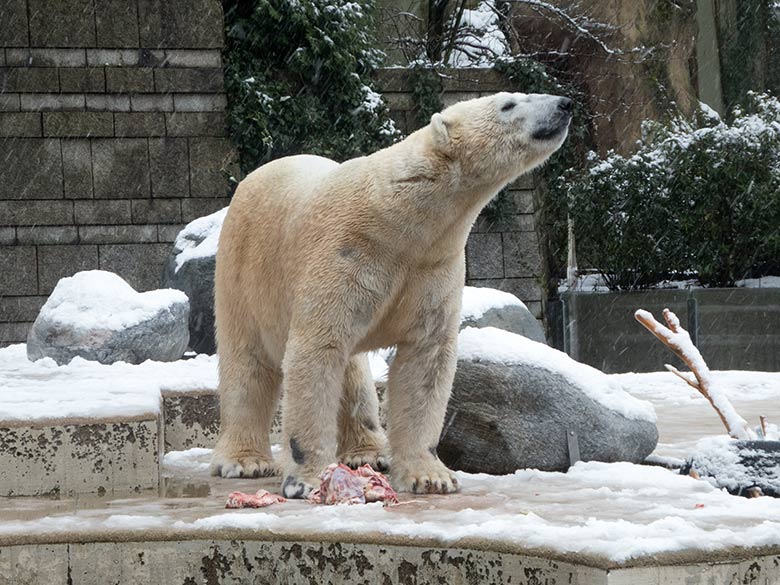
(477,301)
(479,40)
(617,511)
(199,238)
(496,345)
(86,389)
(100,300)
(195,459)
(719,456)
(597,283)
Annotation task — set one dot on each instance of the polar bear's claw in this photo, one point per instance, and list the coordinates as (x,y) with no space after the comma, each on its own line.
(376,460)
(425,477)
(254,466)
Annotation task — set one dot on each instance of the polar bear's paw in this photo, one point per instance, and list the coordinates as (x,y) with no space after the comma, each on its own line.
(255,465)
(424,476)
(376,458)
(296,487)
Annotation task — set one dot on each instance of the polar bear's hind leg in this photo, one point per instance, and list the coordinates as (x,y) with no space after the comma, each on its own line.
(361,437)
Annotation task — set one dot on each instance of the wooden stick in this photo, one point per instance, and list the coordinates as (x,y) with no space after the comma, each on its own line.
(678,373)
(669,336)
(762,419)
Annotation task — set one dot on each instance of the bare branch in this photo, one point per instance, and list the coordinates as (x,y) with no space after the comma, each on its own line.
(677,339)
(539,6)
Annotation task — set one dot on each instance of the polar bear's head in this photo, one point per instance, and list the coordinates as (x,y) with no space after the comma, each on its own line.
(499,137)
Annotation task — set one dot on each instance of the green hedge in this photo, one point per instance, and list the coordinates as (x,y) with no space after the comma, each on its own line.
(297,75)
(699,199)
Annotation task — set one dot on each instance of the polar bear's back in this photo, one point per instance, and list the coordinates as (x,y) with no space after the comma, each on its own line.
(260,239)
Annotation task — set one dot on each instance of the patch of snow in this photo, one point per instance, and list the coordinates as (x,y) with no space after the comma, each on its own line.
(710,114)
(495,345)
(87,389)
(195,459)
(477,301)
(479,40)
(96,299)
(378,365)
(718,456)
(597,283)
(199,238)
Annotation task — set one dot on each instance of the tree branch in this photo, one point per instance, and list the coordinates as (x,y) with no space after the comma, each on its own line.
(677,339)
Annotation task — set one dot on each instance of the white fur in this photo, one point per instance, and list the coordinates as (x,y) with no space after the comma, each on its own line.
(319,262)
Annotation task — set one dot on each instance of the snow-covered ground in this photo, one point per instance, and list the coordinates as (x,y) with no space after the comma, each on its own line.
(615,511)
(87,389)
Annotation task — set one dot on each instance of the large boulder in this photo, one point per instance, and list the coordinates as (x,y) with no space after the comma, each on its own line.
(488,307)
(98,316)
(190,268)
(515,402)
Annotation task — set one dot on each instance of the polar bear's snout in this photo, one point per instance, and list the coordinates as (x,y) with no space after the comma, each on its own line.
(555,119)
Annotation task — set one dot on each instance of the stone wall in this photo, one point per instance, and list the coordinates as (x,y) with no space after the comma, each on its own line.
(112,136)
(502,252)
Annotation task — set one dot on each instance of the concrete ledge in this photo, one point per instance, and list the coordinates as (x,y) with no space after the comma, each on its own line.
(191,419)
(236,557)
(67,457)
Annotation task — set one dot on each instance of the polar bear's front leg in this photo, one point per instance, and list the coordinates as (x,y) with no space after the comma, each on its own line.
(420,383)
(248,395)
(313,371)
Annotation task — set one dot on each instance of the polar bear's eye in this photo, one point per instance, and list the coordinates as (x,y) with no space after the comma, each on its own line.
(507,106)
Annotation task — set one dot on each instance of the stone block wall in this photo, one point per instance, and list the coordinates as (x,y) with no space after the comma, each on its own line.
(112,136)
(502,251)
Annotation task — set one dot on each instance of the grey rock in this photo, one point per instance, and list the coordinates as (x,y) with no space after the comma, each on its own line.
(513,318)
(195,277)
(161,335)
(501,418)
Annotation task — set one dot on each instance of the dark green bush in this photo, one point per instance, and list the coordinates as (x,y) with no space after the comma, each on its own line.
(297,75)
(699,199)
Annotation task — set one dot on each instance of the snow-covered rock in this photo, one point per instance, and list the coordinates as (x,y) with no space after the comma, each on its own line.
(190,268)
(514,401)
(737,466)
(96,315)
(488,307)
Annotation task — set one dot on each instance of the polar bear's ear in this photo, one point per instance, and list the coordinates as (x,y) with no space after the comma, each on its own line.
(441,135)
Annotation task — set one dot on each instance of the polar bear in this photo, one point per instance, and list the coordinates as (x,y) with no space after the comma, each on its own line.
(320,262)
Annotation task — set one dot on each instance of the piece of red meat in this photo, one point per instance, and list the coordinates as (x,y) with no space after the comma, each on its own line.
(259,499)
(340,484)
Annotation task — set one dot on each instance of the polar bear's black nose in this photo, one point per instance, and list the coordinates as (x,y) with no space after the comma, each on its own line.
(564,104)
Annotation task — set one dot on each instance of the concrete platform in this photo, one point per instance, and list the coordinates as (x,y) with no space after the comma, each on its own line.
(72,456)
(115,499)
(185,536)
(235,558)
